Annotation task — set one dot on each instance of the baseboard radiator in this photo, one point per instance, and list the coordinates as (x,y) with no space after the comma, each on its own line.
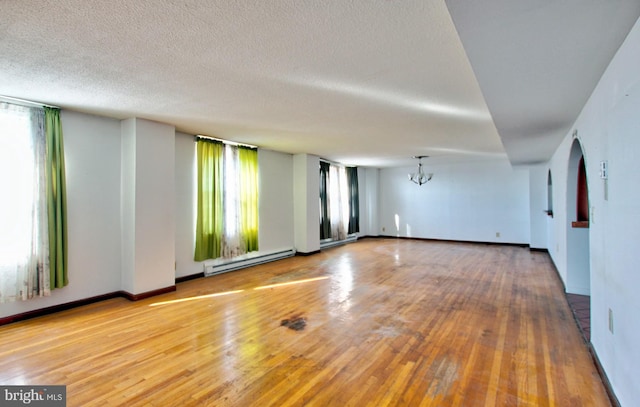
(330,243)
(218,266)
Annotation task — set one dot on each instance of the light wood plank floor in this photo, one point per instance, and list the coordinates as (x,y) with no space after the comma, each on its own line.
(389,322)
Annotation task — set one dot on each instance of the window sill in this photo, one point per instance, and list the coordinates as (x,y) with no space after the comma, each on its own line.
(580,224)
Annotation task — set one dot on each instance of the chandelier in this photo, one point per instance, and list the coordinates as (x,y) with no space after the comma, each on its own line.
(420,177)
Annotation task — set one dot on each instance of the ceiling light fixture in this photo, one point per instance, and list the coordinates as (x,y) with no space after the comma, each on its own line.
(420,177)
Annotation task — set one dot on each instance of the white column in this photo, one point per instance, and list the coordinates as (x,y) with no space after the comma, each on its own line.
(147,206)
(306,202)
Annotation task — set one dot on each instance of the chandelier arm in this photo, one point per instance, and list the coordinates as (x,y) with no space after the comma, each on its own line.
(420,177)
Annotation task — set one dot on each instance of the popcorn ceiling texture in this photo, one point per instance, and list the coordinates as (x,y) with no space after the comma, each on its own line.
(361,82)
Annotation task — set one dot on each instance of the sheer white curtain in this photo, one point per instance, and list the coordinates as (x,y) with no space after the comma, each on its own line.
(232,244)
(24,244)
(338,202)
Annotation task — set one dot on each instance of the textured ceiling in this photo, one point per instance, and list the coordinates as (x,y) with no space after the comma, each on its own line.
(359,82)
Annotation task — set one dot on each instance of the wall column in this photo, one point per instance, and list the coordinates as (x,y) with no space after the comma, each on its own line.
(306,202)
(147,206)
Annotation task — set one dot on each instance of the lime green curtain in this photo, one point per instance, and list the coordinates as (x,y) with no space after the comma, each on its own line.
(248,197)
(210,216)
(56,198)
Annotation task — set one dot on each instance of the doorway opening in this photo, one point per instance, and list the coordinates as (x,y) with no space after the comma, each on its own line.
(578,279)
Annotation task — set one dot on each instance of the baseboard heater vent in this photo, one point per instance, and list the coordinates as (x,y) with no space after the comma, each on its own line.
(219,266)
(330,243)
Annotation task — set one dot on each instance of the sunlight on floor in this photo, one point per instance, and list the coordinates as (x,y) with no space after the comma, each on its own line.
(200,297)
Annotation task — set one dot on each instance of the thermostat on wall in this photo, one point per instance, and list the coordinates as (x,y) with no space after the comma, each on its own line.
(604,172)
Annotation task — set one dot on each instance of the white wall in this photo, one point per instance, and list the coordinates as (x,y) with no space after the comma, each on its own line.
(368,196)
(538,206)
(609,129)
(185,206)
(467,201)
(306,202)
(148,205)
(276,228)
(92,154)
(128,205)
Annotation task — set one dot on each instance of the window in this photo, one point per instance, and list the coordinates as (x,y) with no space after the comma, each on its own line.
(227,199)
(33,205)
(339,215)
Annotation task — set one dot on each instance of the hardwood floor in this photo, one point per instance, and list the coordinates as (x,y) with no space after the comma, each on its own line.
(388,322)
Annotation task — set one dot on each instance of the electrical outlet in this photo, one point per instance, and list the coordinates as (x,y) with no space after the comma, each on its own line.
(497,234)
(384,229)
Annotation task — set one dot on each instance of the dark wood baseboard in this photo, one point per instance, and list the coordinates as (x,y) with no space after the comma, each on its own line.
(603,375)
(364,237)
(427,239)
(85,301)
(307,253)
(152,293)
(188,278)
(538,249)
(57,308)
(596,361)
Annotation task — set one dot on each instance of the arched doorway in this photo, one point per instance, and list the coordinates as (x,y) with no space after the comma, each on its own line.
(578,279)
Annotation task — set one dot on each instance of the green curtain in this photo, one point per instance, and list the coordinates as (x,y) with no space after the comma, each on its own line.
(56,198)
(248,188)
(210,216)
(354,200)
(325,221)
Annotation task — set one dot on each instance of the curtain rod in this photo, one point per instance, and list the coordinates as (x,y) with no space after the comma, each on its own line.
(233,143)
(24,102)
(336,163)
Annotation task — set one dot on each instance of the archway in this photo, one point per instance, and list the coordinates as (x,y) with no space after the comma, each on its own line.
(578,278)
